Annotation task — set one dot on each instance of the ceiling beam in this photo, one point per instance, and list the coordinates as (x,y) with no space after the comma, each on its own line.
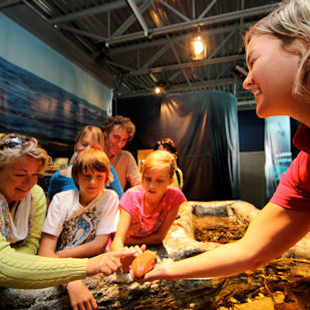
(98,9)
(208,21)
(139,16)
(130,20)
(6,3)
(162,41)
(183,87)
(207,9)
(187,65)
(176,12)
(79,32)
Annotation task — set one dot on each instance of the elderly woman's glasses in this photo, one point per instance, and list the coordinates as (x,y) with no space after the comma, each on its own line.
(13,143)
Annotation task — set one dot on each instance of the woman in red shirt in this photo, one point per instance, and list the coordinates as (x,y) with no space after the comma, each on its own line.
(278,58)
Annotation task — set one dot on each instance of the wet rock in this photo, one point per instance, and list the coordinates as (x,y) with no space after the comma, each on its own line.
(119,291)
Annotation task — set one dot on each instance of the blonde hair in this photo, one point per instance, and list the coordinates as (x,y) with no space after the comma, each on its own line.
(13,146)
(96,134)
(160,159)
(91,159)
(290,22)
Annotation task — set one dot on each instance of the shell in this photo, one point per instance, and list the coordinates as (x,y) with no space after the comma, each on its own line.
(126,262)
(143,263)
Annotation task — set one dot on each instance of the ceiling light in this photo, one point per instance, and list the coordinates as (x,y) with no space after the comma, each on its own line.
(158,90)
(160,87)
(198,48)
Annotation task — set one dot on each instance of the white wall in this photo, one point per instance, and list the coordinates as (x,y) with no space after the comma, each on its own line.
(21,48)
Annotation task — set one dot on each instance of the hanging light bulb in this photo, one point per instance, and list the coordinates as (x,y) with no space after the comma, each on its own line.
(158,90)
(198,48)
(198,45)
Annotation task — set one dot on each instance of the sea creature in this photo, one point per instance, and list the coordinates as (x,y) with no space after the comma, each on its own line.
(143,263)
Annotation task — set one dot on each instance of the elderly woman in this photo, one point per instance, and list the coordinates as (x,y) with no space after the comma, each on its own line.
(23,204)
(22,215)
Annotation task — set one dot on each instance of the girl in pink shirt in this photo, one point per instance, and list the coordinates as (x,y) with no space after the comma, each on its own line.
(148,210)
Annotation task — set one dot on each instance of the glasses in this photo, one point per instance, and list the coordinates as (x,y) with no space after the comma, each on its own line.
(13,143)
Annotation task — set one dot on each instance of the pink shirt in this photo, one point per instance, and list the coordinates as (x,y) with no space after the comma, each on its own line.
(141,224)
(293,191)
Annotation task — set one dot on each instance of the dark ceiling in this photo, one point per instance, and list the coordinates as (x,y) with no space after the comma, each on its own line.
(132,45)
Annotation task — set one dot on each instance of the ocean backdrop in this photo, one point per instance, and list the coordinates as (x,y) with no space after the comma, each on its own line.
(32,105)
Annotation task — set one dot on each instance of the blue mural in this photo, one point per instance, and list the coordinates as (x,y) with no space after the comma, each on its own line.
(32,105)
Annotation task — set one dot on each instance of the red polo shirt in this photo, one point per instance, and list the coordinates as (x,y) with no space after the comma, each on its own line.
(293,191)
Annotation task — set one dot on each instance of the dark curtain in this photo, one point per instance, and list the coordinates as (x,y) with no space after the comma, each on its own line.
(204,126)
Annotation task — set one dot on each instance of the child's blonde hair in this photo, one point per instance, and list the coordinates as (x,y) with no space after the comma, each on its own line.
(96,132)
(159,159)
(91,159)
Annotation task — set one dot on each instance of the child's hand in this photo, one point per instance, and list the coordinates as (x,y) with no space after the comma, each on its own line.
(139,250)
(106,263)
(80,296)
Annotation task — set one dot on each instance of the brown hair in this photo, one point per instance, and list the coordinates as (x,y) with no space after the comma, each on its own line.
(96,133)
(168,145)
(124,122)
(91,159)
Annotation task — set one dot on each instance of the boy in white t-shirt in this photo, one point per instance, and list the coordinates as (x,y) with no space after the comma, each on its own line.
(79,223)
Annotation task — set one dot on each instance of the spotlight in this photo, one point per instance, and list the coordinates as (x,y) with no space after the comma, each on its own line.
(160,87)
(158,90)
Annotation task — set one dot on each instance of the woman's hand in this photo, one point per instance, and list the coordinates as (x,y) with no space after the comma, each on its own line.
(127,261)
(80,296)
(160,271)
(143,263)
(107,263)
